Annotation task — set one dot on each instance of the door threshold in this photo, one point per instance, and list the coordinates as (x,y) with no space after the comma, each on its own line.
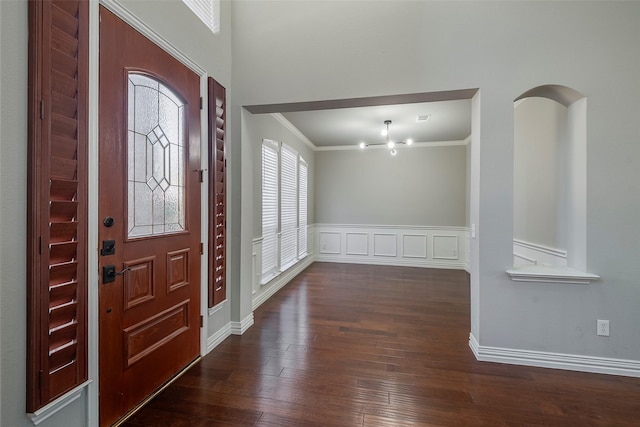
(159,390)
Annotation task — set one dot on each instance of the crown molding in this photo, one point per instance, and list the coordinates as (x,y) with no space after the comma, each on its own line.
(287,124)
(398,146)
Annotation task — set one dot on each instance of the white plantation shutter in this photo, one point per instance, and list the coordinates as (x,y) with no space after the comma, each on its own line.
(302,209)
(208,11)
(288,207)
(269,210)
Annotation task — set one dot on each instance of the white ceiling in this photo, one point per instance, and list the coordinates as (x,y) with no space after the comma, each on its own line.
(449,121)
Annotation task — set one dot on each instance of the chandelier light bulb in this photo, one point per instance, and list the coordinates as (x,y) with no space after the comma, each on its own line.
(383,132)
(391,144)
(393,152)
(363,145)
(409,141)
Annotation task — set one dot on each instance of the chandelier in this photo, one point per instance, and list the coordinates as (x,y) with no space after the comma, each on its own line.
(389,143)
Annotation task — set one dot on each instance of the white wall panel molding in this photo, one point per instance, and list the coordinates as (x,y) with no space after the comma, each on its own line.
(329,242)
(537,263)
(256,264)
(414,246)
(467,258)
(527,253)
(445,246)
(385,244)
(570,362)
(357,243)
(411,246)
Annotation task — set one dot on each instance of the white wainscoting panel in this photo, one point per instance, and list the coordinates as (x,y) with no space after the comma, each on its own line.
(357,244)
(527,253)
(385,244)
(445,246)
(414,246)
(311,240)
(329,242)
(467,260)
(256,264)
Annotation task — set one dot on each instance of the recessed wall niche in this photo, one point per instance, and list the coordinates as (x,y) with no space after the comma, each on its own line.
(549,212)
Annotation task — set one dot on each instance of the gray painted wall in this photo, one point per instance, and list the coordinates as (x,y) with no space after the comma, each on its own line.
(257,127)
(418,186)
(467,197)
(540,143)
(332,50)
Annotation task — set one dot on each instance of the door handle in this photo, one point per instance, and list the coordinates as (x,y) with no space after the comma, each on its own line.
(109,273)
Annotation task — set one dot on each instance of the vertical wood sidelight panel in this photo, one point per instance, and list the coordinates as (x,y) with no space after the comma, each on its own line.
(57,199)
(217,194)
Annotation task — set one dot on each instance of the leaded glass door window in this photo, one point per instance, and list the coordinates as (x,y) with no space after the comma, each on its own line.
(156,158)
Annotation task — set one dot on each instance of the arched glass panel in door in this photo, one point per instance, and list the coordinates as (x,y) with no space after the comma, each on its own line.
(156,158)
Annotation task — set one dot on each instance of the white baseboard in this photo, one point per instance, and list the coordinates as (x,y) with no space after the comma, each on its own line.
(280,281)
(239,328)
(569,362)
(214,340)
(390,261)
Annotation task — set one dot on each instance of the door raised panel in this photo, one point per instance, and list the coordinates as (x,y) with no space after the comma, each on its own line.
(144,337)
(177,269)
(139,282)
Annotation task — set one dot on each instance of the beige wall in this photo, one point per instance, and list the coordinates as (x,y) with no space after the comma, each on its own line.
(418,186)
(540,144)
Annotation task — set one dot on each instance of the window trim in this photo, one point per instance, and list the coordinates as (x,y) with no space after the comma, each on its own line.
(208,11)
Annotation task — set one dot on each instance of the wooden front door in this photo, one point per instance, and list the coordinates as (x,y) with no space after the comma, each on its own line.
(149,254)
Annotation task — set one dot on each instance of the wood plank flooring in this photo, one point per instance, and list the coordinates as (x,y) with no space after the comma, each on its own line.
(358,345)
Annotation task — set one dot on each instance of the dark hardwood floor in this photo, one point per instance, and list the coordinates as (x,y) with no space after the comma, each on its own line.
(356,345)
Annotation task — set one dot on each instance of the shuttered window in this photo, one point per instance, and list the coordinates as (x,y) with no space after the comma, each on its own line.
(284,208)
(208,11)
(288,207)
(270,170)
(302,208)
(57,201)
(217,194)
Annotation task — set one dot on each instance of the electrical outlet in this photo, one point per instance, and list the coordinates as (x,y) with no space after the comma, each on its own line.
(603,328)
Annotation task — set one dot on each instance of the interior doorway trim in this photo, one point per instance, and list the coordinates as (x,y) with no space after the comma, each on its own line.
(93,326)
